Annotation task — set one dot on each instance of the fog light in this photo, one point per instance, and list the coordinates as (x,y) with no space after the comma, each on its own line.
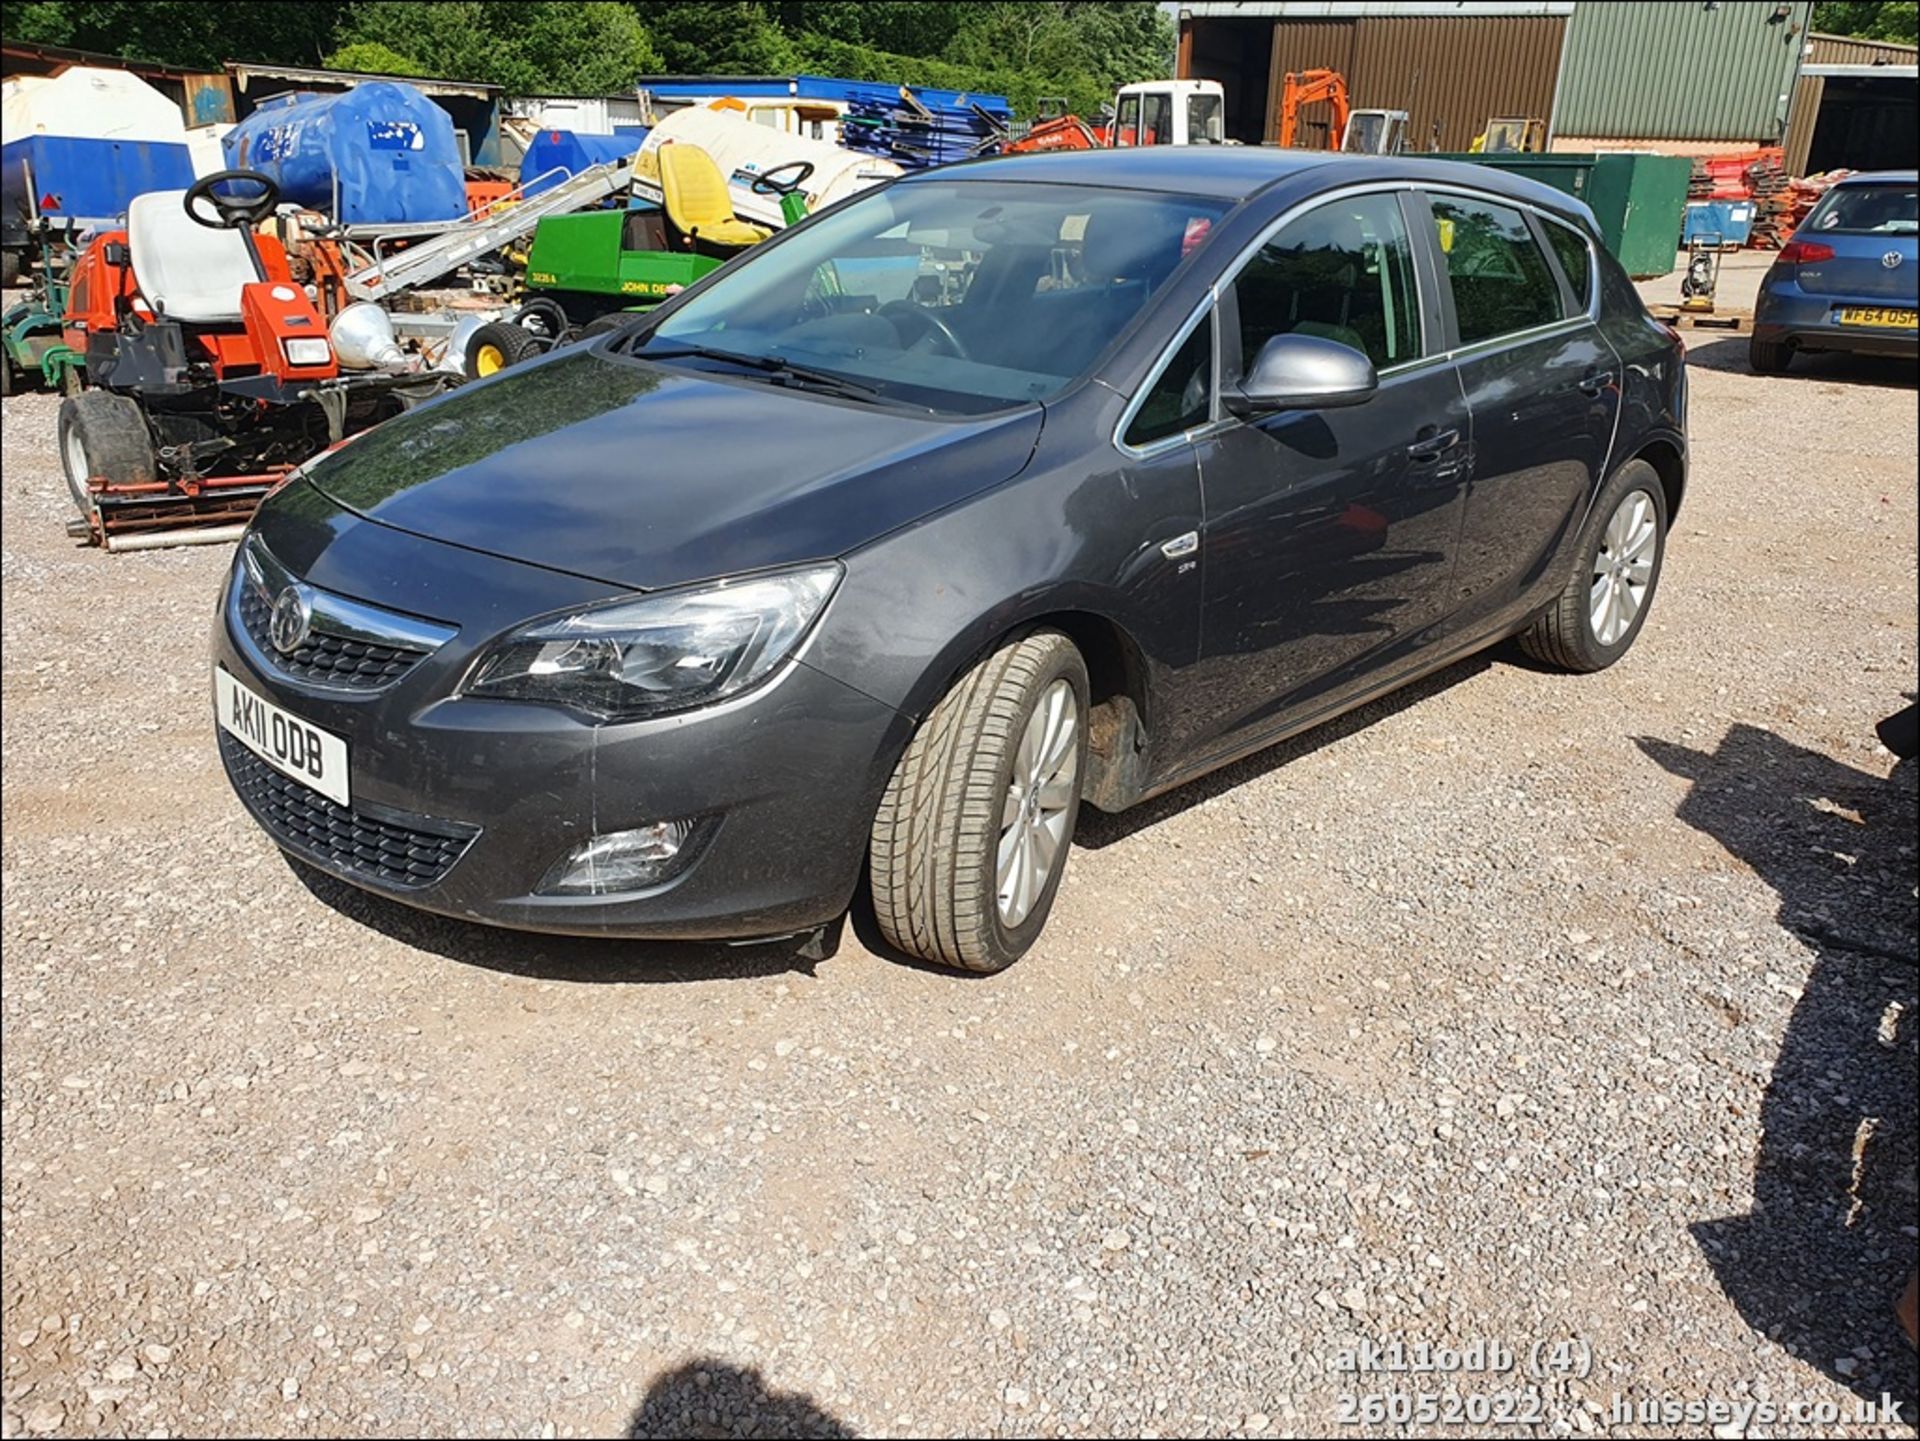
(622,861)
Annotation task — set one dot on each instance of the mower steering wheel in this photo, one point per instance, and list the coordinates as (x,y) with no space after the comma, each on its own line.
(765,184)
(231,212)
(929,322)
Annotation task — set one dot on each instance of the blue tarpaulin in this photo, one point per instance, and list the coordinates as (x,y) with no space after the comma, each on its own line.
(572,151)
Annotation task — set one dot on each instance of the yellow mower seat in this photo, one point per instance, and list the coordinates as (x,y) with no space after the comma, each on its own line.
(698,202)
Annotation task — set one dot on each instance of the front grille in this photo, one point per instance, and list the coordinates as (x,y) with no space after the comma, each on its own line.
(324,658)
(343,840)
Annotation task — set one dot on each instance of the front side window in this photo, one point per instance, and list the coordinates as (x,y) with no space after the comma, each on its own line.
(959,295)
(1182,397)
(1343,272)
(1501,282)
(1868,210)
(1126,123)
(1156,120)
(1205,123)
(1576,263)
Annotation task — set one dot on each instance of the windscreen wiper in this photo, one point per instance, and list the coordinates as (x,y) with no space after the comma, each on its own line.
(787,370)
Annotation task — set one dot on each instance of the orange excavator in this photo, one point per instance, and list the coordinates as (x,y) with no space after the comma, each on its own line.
(1310,87)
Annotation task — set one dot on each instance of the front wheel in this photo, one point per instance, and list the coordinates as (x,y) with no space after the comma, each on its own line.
(1597,617)
(105,435)
(972,835)
(496,345)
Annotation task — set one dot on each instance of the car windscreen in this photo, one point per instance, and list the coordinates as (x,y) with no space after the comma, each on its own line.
(1868,210)
(959,295)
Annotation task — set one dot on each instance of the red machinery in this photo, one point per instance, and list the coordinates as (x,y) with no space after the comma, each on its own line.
(214,373)
(1062,132)
(1311,87)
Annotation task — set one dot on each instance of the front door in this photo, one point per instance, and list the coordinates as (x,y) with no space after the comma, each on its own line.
(1330,533)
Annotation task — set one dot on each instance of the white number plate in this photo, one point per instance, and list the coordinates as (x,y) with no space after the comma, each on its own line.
(290,745)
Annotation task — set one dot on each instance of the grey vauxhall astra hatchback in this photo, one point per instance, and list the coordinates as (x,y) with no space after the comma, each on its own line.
(999,490)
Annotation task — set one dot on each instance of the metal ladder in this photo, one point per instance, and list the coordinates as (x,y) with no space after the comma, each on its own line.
(487,231)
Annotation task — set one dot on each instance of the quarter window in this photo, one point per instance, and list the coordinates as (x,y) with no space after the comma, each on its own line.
(1575,262)
(1501,282)
(1342,272)
(1183,395)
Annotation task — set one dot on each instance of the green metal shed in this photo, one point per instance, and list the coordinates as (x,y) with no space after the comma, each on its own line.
(1680,70)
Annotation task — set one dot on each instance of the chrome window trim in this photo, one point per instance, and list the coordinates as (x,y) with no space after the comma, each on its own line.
(1219,422)
(338,614)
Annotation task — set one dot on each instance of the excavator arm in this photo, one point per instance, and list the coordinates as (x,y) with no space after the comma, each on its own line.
(1310,87)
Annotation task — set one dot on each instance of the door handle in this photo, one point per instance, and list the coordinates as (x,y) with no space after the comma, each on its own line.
(1597,382)
(1432,447)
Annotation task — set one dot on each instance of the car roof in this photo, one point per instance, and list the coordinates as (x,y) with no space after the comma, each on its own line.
(1882,177)
(1235,172)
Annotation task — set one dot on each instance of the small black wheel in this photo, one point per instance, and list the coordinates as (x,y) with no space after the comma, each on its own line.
(972,834)
(605,324)
(1597,617)
(497,345)
(1769,357)
(103,434)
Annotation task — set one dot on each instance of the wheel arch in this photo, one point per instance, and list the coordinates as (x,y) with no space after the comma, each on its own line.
(1669,462)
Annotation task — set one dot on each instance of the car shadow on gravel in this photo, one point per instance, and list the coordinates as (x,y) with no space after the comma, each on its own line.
(539,956)
(714,1398)
(1098,829)
(1817,1263)
(1880,370)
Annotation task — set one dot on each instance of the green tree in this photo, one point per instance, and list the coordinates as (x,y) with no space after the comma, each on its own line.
(716,37)
(532,48)
(370,57)
(1897,20)
(180,32)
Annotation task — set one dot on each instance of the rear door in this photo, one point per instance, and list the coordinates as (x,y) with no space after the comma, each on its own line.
(1543,388)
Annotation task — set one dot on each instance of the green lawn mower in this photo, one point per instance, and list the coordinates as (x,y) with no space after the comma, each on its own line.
(32,348)
(590,273)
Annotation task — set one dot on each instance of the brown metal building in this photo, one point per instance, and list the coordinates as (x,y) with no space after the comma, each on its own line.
(1450,67)
(1857,104)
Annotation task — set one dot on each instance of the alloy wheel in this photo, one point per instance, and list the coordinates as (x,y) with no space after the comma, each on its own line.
(1040,791)
(1623,568)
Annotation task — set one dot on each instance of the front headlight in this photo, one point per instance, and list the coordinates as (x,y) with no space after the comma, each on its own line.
(625,659)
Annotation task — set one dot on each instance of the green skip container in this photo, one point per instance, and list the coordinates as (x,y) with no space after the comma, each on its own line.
(1639,200)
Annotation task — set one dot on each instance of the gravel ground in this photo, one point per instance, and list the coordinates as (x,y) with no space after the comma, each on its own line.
(1519,1008)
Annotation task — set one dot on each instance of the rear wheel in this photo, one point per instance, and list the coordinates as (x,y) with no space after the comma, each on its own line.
(604,325)
(497,345)
(1597,617)
(103,434)
(1769,357)
(972,835)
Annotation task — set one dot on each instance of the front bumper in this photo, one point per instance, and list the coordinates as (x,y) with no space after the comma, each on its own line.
(485,796)
(1785,314)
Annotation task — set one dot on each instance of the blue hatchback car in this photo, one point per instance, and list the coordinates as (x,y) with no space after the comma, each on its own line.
(1848,280)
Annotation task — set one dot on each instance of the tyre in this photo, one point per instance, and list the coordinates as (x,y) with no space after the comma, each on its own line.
(103,434)
(497,345)
(1595,619)
(11,268)
(7,377)
(972,834)
(1769,357)
(604,325)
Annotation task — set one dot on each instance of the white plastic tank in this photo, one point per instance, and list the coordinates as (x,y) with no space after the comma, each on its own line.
(85,103)
(742,150)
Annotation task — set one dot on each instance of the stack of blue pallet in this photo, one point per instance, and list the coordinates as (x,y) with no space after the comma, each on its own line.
(928,127)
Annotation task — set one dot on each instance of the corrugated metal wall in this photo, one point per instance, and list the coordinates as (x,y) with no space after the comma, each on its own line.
(1681,70)
(1845,50)
(1451,74)
(1451,71)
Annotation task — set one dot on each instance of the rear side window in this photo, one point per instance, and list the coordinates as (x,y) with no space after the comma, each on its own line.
(1183,395)
(1575,261)
(1343,272)
(1868,210)
(1501,282)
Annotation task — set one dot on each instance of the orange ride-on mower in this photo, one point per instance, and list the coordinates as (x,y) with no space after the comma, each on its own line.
(212,372)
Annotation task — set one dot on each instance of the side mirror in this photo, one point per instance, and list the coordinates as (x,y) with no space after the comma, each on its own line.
(1302,372)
